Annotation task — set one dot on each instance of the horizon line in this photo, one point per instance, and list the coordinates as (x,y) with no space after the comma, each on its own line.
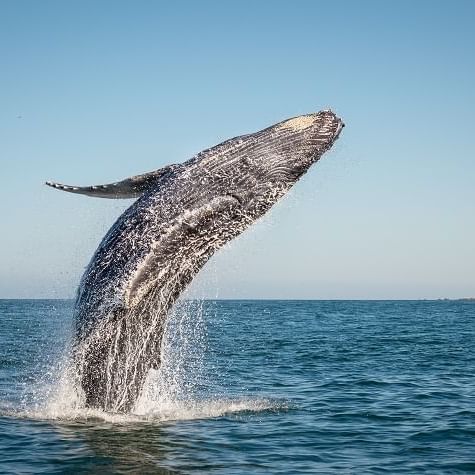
(341,299)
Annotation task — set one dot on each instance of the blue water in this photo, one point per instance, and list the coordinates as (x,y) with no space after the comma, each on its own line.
(262,387)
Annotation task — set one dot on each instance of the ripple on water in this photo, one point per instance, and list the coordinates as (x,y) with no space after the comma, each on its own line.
(256,387)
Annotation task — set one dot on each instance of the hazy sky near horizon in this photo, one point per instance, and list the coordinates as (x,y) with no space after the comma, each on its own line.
(92,92)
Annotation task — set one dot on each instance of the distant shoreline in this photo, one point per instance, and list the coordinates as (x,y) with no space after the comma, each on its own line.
(465,299)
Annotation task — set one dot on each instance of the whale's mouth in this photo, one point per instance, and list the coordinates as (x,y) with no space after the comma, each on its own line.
(332,126)
(340,127)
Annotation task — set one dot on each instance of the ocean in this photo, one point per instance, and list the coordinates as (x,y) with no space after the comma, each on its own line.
(284,387)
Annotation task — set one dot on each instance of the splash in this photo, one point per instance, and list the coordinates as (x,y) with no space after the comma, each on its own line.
(181,376)
(182,389)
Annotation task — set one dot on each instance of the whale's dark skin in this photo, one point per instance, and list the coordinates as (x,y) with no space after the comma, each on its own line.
(183,214)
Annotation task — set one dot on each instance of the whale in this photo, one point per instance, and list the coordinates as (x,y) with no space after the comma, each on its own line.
(183,214)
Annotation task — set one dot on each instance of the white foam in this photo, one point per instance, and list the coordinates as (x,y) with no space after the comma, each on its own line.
(162,412)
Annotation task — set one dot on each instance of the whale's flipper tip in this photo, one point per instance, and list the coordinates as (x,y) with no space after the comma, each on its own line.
(112,190)
(131,187)
(60,186)
(102,191)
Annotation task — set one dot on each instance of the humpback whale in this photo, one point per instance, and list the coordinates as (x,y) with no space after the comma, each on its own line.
(183,214)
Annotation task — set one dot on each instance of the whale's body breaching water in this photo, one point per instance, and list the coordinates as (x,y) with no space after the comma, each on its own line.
(183,214)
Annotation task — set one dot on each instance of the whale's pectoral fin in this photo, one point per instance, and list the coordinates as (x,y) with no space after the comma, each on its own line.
(131,187)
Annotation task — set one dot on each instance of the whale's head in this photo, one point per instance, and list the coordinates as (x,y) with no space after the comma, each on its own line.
(259,168)
(293,145)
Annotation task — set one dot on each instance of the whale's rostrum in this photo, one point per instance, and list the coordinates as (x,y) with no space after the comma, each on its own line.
(183,214)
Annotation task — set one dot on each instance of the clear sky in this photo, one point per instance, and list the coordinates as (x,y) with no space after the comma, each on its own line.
(95,91)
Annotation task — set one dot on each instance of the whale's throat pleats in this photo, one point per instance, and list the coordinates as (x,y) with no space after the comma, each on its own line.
(171,264)
(131,187)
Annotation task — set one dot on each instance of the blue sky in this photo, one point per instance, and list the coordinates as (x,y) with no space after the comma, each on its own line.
(92,92)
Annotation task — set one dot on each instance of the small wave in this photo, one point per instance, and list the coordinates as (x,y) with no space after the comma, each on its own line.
(210,408)
(163,412)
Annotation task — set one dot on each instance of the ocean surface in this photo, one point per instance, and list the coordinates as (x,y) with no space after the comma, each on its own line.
(283,387)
